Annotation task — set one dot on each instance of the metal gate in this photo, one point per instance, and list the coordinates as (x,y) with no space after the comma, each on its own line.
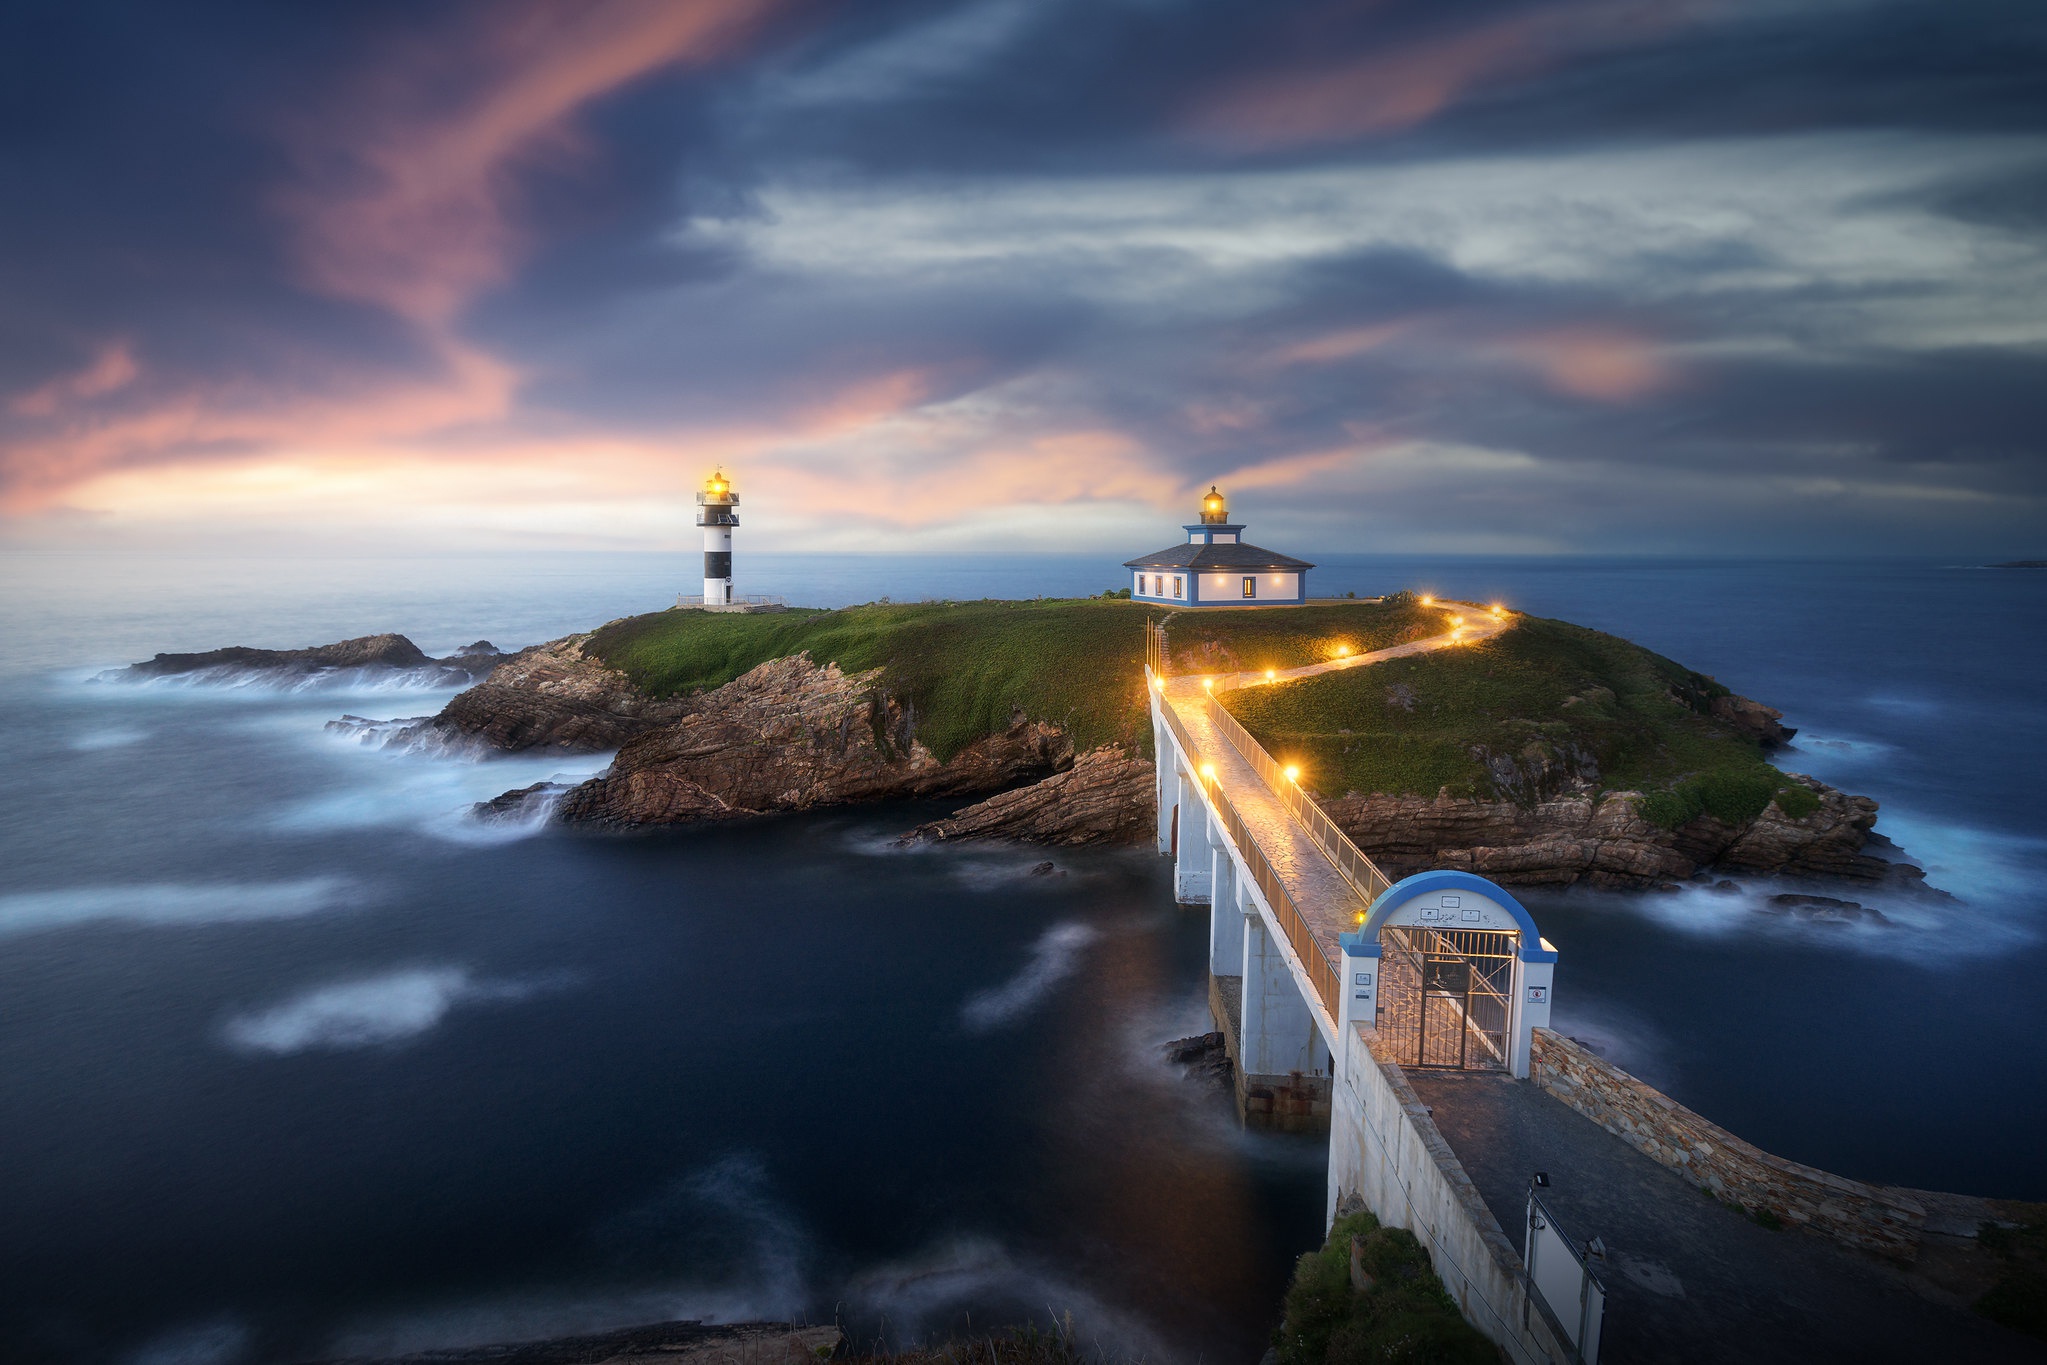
(1444,995)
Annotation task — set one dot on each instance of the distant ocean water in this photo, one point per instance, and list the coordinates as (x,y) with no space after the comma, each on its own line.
(294,1061)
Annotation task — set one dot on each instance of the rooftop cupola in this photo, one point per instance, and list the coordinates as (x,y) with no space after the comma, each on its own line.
(1214,511)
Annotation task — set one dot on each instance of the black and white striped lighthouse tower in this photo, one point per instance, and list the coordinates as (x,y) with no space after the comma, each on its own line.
(715,515)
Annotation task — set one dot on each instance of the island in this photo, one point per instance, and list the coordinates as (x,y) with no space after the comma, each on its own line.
(1545,754)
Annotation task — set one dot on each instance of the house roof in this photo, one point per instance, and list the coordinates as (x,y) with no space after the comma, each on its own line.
(1221,558)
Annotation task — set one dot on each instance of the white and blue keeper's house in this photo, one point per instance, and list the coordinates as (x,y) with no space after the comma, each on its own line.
(1215,568)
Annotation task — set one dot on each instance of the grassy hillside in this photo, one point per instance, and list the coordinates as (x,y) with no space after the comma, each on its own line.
(966,666)
(1513,717)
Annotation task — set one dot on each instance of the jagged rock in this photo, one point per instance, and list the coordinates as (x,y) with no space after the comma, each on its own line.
(1207,1059)
(795,735)
(552,697)
(368,653)
(526,803)
(1824,909)
(1764,722)
(1104,798)
(1604,841)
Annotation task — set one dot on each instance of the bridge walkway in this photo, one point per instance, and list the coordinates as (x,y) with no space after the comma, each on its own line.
(1689,1279)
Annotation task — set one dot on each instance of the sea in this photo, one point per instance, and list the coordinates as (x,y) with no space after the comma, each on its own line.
(297,1061)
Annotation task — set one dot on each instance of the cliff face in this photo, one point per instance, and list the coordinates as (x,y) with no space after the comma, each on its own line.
(1104,798)
(551,697)
(1604,841)
(794,735)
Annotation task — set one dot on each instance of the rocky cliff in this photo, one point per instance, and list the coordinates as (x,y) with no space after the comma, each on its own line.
(1605,841)
(554,697)
(1104,798)
(792,735)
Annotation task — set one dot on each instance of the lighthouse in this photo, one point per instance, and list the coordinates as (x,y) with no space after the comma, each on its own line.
(715,515)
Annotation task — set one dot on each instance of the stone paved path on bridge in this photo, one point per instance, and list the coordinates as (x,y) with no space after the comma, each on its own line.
(1324,895)
(1689,1279)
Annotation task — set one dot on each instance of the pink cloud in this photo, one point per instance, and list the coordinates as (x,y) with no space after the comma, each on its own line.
(407,198)
(113,368)
(1602,364)
(1393,88)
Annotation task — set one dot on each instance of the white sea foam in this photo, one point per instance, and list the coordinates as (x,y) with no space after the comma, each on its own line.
(94,740)
(373,678)
(222,1341)
(174,903)
(373,1011)
(1053,958)
(919,1296)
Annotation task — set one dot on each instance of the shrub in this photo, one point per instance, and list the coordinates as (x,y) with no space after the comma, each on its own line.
(1405,1316)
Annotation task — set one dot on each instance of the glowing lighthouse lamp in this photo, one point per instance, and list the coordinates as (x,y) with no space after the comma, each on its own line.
(715,515)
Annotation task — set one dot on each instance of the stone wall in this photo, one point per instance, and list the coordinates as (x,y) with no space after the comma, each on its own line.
(1386,1153)
(1867,1217)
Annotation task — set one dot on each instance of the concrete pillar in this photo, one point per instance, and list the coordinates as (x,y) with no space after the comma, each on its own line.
(1192,869)
(1279,1034)
(1225,918)
(1165,765)
(1531,1002)
(1360,999)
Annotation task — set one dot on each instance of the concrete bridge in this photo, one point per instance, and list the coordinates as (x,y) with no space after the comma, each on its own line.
(1316,959)
(1400,1015)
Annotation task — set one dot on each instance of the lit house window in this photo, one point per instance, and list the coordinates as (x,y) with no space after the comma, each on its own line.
(1158,586)
(1176,585)
(1250,587)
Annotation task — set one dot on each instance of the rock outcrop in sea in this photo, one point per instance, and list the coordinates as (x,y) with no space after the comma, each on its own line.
(368,660)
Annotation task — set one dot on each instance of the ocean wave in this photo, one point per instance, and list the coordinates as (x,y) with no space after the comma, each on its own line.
(1052,959)
(727,1212)
(921,1297)
(221,1341)
(375,1011)
(174,903)
(370,678)
(407,735)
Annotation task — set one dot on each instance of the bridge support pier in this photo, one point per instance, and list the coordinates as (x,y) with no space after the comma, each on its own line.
(1225,911)
(1165,780)
(1193,866)
(1283,1079)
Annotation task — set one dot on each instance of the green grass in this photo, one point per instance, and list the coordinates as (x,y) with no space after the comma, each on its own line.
(1212,640)
(2019,1298)
(966,667)
(1518,717)
(1405,1316)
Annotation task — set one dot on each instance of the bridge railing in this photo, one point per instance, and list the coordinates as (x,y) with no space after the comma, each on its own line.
(1314,957)
(1361,872)
(1155,648)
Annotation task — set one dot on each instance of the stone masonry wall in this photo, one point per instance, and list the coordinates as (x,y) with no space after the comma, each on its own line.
(1867,1217)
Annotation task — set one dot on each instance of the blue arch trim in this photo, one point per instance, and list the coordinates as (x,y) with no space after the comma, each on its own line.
(1365,941)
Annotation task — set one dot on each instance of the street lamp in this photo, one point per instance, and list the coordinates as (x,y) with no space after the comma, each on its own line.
(1293,774)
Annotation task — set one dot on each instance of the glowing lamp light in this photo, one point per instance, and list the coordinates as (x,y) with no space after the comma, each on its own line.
(1343,651)
(1293,774)
(1208,772)
(1428,600)
(1208,684)
(1361,917)
(1270,675)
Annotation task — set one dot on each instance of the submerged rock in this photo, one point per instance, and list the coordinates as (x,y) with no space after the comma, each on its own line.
(1206,1058)
(1823,909)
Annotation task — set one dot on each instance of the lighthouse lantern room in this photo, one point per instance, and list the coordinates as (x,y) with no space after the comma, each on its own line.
(715,514)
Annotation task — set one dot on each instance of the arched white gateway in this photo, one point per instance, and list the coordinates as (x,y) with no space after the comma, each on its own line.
(1451,971)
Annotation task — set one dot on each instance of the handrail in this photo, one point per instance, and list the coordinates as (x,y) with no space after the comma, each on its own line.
(1314,958)
(1360,871)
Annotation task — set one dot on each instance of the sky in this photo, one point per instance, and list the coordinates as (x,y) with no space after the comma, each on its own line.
(1745,277)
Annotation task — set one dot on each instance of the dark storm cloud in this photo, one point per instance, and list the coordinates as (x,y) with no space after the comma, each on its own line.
(1574,268)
